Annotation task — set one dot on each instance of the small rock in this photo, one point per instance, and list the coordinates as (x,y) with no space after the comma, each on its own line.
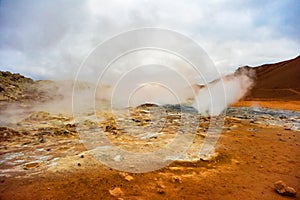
(41,138)
(284,190)
(82,156)
(161,191)
(160,184)
(176,179)
(252,130)
(116,192)
(208,157)
(235,161)
(126,176)
(79,164)
(31,165)
(117,158)
(148,135)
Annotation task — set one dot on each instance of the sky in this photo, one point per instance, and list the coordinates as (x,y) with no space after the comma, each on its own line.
(49,39)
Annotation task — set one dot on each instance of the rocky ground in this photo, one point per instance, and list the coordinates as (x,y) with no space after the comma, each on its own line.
(43,157)
(44,153)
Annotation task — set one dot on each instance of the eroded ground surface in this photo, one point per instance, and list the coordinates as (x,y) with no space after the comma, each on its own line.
(42,156)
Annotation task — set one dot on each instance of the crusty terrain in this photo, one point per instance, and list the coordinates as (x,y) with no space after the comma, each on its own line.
(42,158)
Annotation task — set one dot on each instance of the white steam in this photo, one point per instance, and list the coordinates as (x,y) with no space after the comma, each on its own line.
(209,100)
(213,99)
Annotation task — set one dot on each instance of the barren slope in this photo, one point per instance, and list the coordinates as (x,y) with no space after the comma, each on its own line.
(277,81)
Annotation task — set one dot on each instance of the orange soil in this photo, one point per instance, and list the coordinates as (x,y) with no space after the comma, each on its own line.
(252,157)
(273,104)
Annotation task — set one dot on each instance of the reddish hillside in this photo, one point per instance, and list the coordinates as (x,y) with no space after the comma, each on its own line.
(277,81)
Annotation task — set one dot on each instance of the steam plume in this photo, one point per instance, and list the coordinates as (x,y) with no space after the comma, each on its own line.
(213,98)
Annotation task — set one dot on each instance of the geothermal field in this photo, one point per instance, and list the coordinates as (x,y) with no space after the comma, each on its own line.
(49,152)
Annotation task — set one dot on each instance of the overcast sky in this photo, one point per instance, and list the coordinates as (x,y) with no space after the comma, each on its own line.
(48,39)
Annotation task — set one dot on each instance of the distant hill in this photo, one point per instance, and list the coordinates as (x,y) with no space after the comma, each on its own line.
(14,86)
(280,81)
(277,81)
(20,91)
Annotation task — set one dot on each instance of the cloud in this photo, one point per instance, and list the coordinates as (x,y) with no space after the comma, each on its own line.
(49,39)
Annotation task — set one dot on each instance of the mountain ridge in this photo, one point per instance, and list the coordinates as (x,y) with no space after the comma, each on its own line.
(277,81)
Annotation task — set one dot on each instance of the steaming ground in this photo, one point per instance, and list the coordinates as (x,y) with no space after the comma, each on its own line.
(42,153)
(58,96)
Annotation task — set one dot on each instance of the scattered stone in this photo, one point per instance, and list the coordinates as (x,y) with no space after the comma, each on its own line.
(148,135)
(284,190)
(176,179)
(31,165)
(7,133)
(252,130)
(116,192)
(126,176)
(41,138)
(117,158)
(161,191)
(160,184)
(61,132)
(26,143)
(282,140)
(233,127)
(208,157)
(235,161)
(109,128)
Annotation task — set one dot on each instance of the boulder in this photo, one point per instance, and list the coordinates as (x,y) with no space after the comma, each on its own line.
(284,190)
